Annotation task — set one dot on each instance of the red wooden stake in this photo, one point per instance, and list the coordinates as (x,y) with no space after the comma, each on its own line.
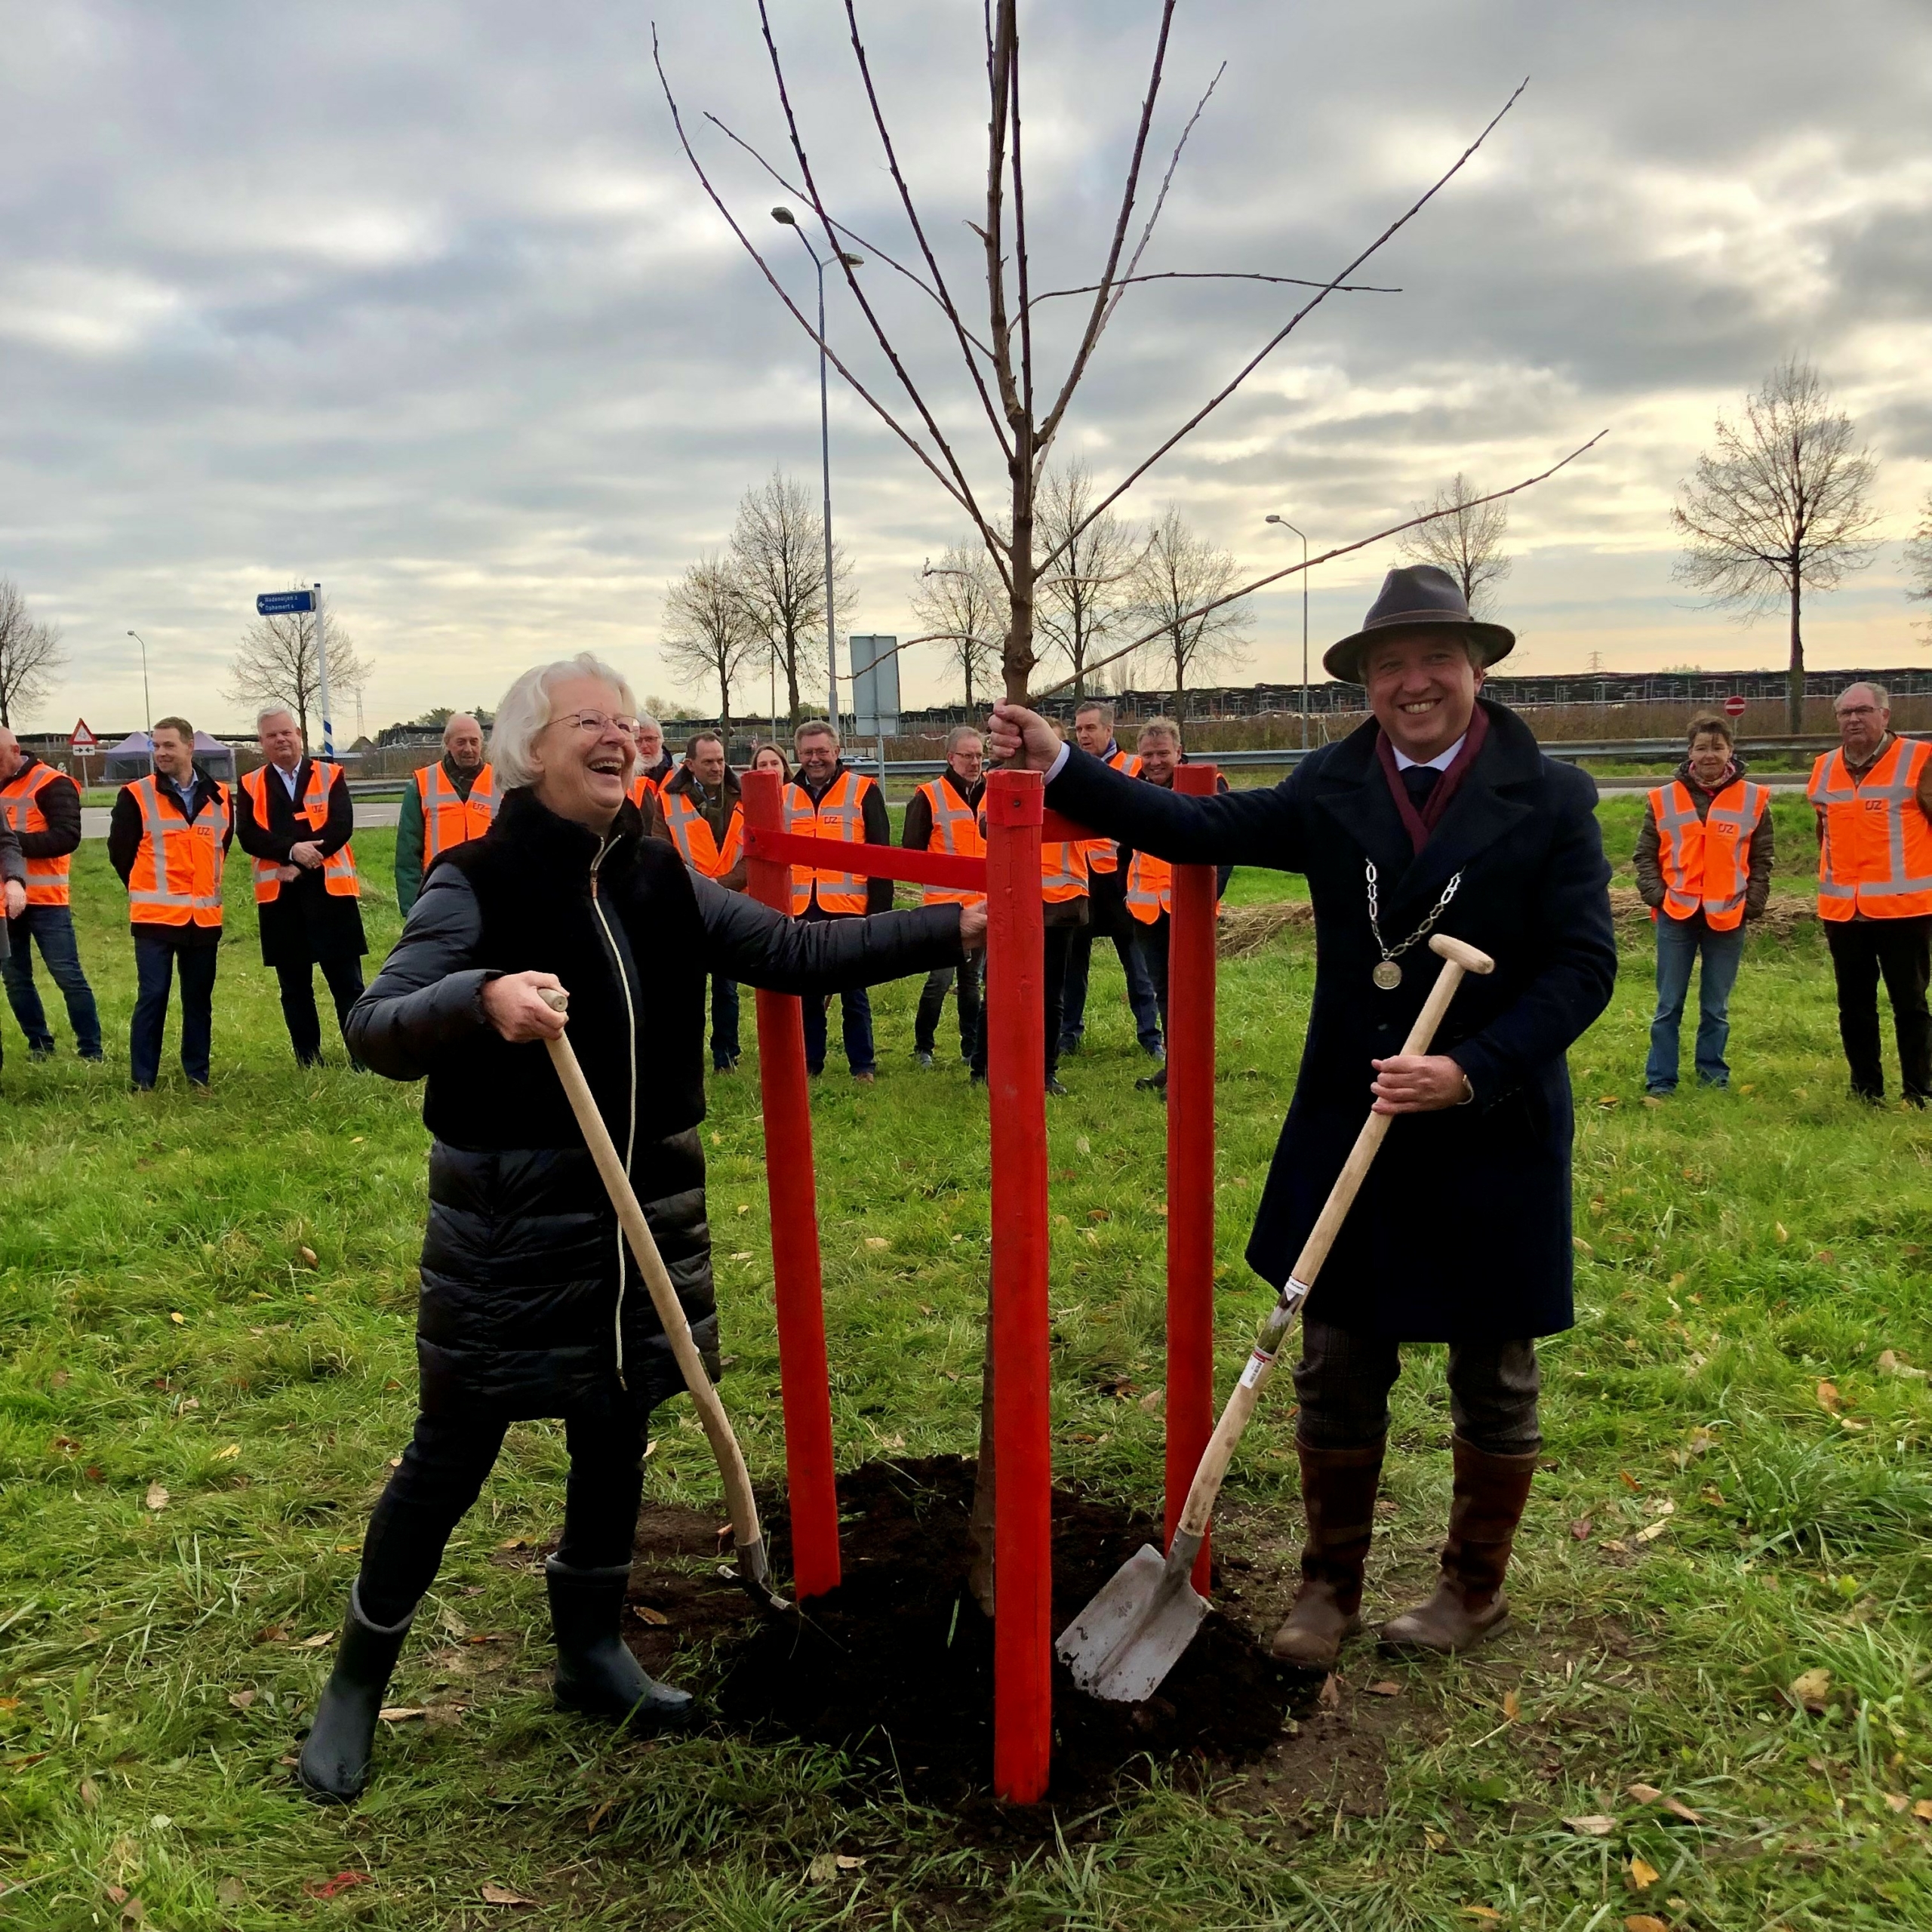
(1016,1078)
(799,1288)
(1190,1405)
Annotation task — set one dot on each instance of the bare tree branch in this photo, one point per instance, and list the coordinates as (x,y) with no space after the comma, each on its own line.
(963,499)
(1229,275)
(965,491)
(1267,347)
(1465,540)
(30,652)
(1327,556)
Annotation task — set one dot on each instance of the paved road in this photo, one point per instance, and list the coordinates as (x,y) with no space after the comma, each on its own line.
(93,818)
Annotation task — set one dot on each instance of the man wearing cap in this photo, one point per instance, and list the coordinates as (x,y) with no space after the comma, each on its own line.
(1438,814)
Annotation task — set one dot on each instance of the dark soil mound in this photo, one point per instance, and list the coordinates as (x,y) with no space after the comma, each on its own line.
(897,1663)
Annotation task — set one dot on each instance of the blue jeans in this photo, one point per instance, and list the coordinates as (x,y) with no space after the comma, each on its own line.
(51,927)
(857,1011)
(1108,919)
(1679,942)
(155,962)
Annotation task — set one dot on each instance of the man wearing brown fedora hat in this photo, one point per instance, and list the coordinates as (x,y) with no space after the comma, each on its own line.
(1438,814)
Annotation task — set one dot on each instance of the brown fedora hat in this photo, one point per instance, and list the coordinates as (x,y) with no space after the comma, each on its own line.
(1417,597)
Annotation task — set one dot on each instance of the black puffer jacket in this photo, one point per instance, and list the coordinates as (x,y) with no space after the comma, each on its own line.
(529,1302)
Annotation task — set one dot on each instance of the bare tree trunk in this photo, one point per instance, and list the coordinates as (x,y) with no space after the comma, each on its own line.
(1181,692)
(791,674)
(980,1525)
(1795,706)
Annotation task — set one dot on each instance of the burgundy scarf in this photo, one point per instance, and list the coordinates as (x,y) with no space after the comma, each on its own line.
(1420,824)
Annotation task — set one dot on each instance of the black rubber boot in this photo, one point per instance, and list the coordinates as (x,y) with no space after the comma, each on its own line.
(595,1673)
(334,1764)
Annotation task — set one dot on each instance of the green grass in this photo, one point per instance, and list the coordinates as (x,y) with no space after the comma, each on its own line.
(162,1326)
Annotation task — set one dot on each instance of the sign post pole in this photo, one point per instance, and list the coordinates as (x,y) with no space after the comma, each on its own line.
(322,676)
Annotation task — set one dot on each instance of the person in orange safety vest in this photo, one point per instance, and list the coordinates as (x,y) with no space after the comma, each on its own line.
(293,818)
(1873,800)
(828,799)
(42,806)
(450,802)
(704,817)
(169,839)
(944,815)
(1703,864)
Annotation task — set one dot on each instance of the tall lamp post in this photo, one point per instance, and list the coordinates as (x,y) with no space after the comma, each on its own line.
(1287,525)
(787,218)
(147,698)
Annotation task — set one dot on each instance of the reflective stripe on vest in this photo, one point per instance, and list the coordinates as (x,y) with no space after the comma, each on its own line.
(1875,857)
(1704,861)
(338,869)
(176,877)
(1150,883)
(20,800)
(840,814)
(955,830)
(643,787)
(690,832)
(449,819)
(1063,871)
(1103,854)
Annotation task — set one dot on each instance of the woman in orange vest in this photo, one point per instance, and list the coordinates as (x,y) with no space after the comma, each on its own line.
(1873,799)
(1703,867)
(169,839)
(294,819)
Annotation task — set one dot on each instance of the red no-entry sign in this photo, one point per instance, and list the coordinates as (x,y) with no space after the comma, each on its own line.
(1733,706)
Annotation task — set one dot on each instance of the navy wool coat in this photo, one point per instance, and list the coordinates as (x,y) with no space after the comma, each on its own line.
(1461,1231)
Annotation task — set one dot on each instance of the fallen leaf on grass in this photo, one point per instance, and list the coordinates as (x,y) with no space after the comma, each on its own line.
(1712,1494)
(656,1618)
(1644,1921)
(1828,1397)
(1615,1545)
(1629,1481)
(1643,1874)
(179,1320)
(402,1713)
(241,1700)
(1331,1693)
(1826,1255)
(1655,1530)
(229,1454)
(503,1895)
(1581,1247)
(1923,1809)
(514,1542)
(1386,1688)
(157,1497)
(847,1862)
(230,1892)
(1482,1914)
(1596,1825)
(1512,1707)
(746,1254)
(328,1888)
(1580,1528)
(309,1258)
(91,1793)
(1810,1690)
(1892,1363)
(877,1240)
(1155,1401)
(1783,1233)
(315,1643)
(1896,1800)
(827,1866)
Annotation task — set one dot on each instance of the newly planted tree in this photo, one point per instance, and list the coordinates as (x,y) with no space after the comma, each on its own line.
(1780,504)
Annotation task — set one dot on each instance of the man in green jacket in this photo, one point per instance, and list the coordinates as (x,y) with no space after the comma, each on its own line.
(458,771)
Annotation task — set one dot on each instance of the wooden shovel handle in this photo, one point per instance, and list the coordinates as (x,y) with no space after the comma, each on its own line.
(663,1297)
(1457,958)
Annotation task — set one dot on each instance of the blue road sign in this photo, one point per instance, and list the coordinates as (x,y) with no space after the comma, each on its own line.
(284,603)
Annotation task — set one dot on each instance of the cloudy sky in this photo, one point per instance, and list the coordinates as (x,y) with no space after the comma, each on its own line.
(424,301)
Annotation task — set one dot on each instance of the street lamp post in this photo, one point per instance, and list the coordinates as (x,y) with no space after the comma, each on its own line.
(147,698)
(787,218)
(1287,525)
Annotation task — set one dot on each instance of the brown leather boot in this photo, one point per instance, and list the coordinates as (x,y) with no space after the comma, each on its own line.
(1490,1495)
(1338,1495)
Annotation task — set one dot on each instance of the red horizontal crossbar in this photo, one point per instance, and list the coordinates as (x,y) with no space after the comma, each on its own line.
(835,855)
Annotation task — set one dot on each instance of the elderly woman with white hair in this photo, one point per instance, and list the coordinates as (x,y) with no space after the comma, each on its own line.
(530,1306)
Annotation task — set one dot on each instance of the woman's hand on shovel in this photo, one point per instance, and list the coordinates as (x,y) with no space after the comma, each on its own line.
(514,1005)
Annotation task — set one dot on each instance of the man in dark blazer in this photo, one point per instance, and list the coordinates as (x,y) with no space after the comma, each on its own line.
(294,819)
(1438,814)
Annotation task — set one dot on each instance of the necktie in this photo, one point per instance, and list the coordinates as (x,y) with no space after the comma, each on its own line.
(1419,781)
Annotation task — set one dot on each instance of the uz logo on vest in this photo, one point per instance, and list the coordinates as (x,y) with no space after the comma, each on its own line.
(1874,805)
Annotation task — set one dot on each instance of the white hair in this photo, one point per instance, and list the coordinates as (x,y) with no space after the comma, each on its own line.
(267,711)
(526,709)
(455,718)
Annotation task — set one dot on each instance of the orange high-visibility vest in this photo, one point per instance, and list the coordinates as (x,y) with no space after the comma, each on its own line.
(339,868)
(1876,854)
(956,830)
(176,877)
(449,818)
(1150,887)
(1063,870)
(690,832)
(643,787)
(1103,854)
(20,800)
(1706,861)
(840,814)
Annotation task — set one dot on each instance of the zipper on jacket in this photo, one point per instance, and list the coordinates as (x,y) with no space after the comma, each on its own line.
(630,1062)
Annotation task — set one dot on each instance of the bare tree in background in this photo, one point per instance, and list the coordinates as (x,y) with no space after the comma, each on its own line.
(1778,506)
(961,604)
(1183,588)
(30,652)
(1088,595)
(710,632)
(1464,537)
(778,560)
(1919,558)
(276,665)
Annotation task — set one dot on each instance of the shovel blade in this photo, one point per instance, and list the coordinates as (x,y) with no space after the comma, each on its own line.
(1122,1645)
